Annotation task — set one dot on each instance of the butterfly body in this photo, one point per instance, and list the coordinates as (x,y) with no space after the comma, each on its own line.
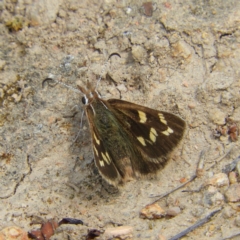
(129,140)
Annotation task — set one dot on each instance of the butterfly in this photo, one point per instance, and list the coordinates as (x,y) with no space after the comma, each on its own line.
(129,140)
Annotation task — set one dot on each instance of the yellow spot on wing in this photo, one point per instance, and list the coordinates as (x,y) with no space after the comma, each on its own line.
(101,163)
(109,159)
(106,158)
(153,135)
(142,116)
(95,150)
(97,140)
(168,131)
(141,140)
(162,118)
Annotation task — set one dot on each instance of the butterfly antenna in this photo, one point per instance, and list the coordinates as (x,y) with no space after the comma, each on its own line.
(50,78)
(104,68)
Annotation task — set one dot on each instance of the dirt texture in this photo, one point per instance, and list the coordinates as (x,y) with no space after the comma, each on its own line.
(178,56)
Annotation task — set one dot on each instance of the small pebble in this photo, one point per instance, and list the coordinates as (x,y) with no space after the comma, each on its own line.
(13,233)
(219,180)
(217,116)
(191,105)
(123,232)
(172,212)
(139,54)
(232,177)
(181,49)
(233,193)
(148,8)
(153,211)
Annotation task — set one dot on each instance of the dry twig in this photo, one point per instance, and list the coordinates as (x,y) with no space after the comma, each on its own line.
(196,225)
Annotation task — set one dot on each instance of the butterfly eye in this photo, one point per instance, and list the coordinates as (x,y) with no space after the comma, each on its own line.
(84,100)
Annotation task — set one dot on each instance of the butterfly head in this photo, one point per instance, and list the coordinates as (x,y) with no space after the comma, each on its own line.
(89,93)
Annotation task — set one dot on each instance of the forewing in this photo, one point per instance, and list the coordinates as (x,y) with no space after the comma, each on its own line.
(155,133)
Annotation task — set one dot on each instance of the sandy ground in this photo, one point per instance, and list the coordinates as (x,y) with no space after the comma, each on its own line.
(183,58)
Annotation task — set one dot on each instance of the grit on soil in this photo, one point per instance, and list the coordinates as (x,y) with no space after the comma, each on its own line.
(178,57)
